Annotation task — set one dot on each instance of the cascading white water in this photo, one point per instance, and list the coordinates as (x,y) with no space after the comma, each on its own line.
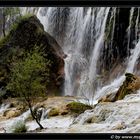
(137,25)
(112,87)
(133,58)
(129,28)
(82,42)
(82,37)
(132,61)
(89,76)
(113,17)
(3,107)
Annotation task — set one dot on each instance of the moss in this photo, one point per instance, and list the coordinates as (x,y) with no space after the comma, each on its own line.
(53,112)
(78,108)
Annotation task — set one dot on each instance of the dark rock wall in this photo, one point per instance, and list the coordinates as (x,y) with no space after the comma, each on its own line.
(24,36)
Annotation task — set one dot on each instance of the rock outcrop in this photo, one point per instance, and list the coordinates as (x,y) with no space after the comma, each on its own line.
(129,86)
(24,36)
(77,107)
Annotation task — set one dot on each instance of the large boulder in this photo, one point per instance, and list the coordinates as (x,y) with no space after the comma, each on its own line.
(129,86)
(77,107)
(24,36)
(10,113)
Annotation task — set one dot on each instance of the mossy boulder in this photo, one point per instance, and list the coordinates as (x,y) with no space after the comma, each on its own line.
(77,107)
(53,112)
(25,35)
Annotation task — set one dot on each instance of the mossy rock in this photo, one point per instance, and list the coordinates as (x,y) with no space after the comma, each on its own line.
(78,108)
(130,85)
(53,112)
(64,112)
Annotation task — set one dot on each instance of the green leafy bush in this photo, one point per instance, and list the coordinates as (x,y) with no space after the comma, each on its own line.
(29,78)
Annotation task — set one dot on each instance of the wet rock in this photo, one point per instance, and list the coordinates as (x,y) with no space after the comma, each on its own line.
(119,126)
(78,108)
(100,117)
(130,85)
(64,112)
(12,113)
(108,98)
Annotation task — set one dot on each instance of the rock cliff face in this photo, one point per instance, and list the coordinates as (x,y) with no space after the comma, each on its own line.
(24,36)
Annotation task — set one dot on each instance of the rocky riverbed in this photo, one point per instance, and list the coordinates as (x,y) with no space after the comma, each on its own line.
(122,116)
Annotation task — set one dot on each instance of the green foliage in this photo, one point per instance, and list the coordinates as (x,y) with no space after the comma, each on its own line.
(26,17)
(3,40)
(29,76)
(19,127)
(76,107)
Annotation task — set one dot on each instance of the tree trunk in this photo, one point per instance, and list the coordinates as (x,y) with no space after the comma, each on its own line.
(35,118)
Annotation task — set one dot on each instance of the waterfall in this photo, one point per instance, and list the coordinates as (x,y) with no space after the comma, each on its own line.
(129,28)
(83,37)
(113,87)
(80,31)
(29,10)
(137,25)
(90,79)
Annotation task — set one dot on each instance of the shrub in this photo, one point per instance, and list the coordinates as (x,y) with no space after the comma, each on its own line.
(19,127)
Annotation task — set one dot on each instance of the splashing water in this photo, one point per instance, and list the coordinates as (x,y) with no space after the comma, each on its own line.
(3,107)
